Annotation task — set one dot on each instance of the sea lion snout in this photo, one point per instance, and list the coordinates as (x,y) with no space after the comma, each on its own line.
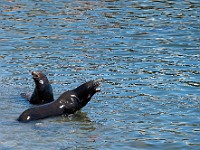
(97,83)
(35,75)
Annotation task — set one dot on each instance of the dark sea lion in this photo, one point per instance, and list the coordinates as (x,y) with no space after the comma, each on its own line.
(43,92)
(68,103)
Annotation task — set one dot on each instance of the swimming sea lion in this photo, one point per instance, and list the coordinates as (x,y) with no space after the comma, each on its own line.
(43,92)
(68,103)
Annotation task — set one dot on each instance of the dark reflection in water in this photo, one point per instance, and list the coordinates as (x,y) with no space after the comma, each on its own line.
(147,52)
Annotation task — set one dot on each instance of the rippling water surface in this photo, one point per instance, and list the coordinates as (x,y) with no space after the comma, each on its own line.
(148,52)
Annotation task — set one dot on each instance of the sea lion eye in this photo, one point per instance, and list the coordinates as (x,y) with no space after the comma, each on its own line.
(94,84)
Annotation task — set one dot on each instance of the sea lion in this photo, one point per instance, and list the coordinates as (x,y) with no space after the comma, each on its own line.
(43,92)
(68,103)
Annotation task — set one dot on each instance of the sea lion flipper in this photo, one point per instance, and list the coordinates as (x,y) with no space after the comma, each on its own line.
(26,96)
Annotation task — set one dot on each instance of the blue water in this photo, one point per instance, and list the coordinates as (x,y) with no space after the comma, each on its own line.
(148,52)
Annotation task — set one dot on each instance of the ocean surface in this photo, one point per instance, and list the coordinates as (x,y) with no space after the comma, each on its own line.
(148,53)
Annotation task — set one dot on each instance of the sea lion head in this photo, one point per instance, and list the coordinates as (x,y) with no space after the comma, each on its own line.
(87,90)
(93,86)
(39,78)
